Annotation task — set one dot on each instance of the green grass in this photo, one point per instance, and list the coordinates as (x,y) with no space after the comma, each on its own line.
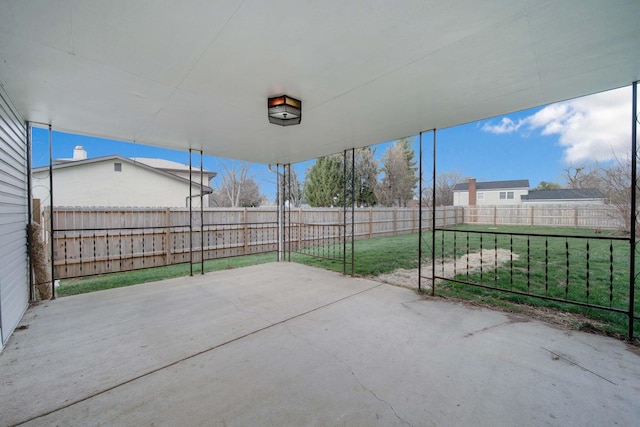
(117,280)
(373,256)
(527,274)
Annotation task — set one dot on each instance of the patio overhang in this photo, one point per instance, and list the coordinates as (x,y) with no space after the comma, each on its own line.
(197,75)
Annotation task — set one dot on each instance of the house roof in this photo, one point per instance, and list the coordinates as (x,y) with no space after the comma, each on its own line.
(494,185)
(68,165)
(564,194)
(198,74)
(171,166)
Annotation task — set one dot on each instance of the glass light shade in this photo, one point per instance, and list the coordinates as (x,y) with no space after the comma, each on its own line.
(284,110)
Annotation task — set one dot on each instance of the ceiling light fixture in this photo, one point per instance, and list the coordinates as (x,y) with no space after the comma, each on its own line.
(284,110)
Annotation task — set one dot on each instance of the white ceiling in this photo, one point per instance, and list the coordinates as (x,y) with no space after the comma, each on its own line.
(197,73)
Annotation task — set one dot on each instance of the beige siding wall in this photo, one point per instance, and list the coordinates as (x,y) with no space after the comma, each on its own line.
(98,184)
(489,197)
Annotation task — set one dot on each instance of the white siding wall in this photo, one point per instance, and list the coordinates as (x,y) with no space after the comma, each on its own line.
(492,197)
(489,197)
(98,184)
(461,198)
(14,269)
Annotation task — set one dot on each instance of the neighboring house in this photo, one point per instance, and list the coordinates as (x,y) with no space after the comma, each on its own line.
(514,192)
(565,196)
(493,193)
(117,181)
(176,169)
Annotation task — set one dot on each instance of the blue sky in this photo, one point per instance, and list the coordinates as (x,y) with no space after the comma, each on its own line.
(535,144)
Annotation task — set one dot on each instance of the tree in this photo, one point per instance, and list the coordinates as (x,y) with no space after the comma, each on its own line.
(613,181)
(325,182)
(444,187)
(544,185)
(294,190)
(237,188)
(400,180)
(582,176)
(366,177)
(615,184)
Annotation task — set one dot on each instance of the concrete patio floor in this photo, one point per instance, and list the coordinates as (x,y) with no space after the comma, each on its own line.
(284,344)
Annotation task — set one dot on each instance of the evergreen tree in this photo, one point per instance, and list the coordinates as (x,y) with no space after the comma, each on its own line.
(366,177)
(325,182)
(400,178)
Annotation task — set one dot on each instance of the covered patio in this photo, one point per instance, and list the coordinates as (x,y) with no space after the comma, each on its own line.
(285,344)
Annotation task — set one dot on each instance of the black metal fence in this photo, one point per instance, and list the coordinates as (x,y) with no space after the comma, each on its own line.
(588,271)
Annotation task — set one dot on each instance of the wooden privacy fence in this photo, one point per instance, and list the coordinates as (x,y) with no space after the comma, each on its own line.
(582,216)
(89,241)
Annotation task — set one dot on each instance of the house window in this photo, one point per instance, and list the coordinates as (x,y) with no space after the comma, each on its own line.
(117,167)
(504,195)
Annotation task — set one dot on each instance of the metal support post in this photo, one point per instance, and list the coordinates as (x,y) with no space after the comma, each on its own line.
(201,214)
(632,251)
(433,221)
(420,217)
(190,217)
(353,211)
(32,290)
(51,221)
(280,215)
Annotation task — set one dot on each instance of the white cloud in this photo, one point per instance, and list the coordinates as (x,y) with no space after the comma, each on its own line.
(596,127)
(506,125)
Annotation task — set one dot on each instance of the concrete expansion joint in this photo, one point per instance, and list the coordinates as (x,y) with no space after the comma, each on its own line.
(269,325)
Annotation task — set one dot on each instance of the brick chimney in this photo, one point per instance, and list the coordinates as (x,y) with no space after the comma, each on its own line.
(79,153)
(472,191)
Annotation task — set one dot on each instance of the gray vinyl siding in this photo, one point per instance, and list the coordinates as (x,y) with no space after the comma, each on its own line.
(14,270)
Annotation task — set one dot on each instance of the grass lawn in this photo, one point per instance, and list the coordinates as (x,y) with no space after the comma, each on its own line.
(116,280)
(539,268)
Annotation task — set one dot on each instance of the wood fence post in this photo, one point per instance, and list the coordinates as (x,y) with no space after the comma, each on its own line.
(495,215)
(299,229)
(413,220)
(245,231)
(37,215)
(395,221)
(575,216)
(370,222)
(167,236)
(531,216)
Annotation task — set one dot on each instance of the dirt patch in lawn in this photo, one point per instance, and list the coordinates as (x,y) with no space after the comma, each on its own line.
(488,259)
